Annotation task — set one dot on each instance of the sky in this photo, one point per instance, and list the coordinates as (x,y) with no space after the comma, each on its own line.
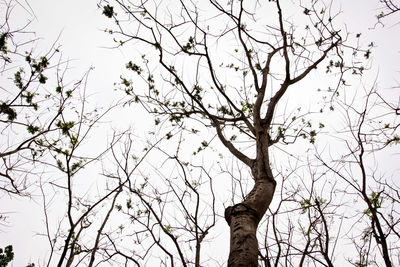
(78,27)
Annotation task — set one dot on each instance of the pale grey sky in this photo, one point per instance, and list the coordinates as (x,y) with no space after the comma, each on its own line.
(80,24)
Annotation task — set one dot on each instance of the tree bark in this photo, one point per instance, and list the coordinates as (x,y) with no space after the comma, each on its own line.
(243,219)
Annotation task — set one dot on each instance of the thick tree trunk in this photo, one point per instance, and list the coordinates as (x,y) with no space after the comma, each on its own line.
(243,219)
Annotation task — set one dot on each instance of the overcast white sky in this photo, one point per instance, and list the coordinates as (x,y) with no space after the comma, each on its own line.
(81,23)
(82,40)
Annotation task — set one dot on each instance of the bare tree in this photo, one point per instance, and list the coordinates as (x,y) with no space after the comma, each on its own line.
(45,121)
(167,217)
(26,106)
(372,128)
(50,154)
(265,59)
(225,78)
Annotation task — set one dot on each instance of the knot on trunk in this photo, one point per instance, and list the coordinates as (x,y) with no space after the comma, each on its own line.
(239,209)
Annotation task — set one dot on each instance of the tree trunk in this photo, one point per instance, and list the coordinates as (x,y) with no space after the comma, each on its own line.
(243,219)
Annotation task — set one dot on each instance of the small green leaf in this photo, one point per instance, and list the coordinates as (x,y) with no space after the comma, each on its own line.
(134,67)
(6,256)
(33,129)
(307,11)
(108,11)
(10,112)
(3,42)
